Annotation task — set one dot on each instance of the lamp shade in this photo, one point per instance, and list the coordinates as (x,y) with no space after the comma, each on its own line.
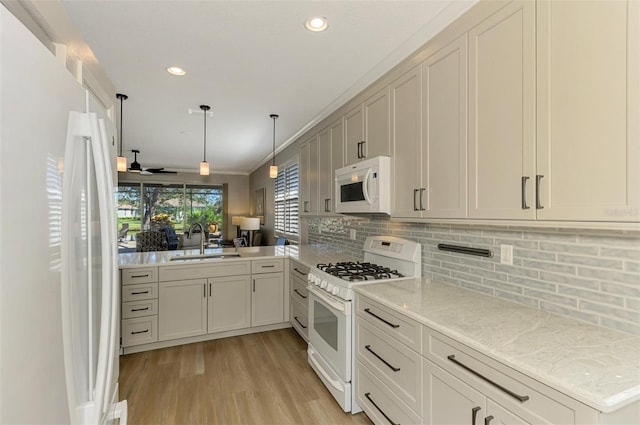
(250,223)
(237,220)
(204,168)
(273,171)
(122,164)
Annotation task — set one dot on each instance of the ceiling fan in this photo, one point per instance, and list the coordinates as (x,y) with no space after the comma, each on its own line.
(137,168)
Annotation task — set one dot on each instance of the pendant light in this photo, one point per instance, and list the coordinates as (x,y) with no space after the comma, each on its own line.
(273,170)
(204,165)
(122,160)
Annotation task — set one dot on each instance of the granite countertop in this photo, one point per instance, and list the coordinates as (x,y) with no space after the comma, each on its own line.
(597,366)
(309,255)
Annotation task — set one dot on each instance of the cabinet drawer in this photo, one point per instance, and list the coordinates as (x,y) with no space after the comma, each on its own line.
(139,308)
(145,291)
(532,401)
(379,403)
(399,367)
(227,268)
(267,266)
(298,269)
(404,329)
(134,276)
(300,317)
(141,330)
(299,289)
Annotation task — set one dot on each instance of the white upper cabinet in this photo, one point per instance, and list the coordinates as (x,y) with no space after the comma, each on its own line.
(309,177)
(325,172)
(502,114)
(405,134)
(336,133)
(444,132)
(588,121)
(367,128)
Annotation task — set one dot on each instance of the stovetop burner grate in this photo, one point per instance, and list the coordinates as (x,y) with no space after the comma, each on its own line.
(359,271)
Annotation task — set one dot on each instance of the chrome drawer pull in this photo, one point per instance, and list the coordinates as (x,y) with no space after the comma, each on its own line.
(367,395)
(521,398)
(139,293)
(395,369)
(298,292)
(302,273)
(394,326)
(524,193)
(139,275)
(140,309)
(538,203)
(488,420)
(268,267)
(139,332)
(299,322)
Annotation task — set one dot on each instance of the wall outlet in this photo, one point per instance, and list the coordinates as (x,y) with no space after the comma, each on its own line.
(506,254)
(352,234)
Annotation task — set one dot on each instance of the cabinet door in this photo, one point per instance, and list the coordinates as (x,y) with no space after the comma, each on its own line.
(376,125)
(588,97)
(309,177)
(449,401)
(337,155)
(444,132)
(229,305)
(354,135)
(267,299)
(182,310)
(502,113)
(324,171)
(405,130)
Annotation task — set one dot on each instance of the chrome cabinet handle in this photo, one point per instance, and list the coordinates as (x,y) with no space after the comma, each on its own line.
(364,154)
(299,322)
(359,154)
(302,273)
(204,290)
(139,275)
(538,203)
(524,193)
(210,289)
(394,326)
(254,285)
(139,332)
(140,309)
(306,206)
(268,267)
(474,413)
(521,398)
(421,193)
(140,293)
(487,420)
(327,205)
(393,368)
(368,396)
(415,204)
(298,292)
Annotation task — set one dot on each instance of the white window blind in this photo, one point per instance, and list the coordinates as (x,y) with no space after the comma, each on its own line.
(286,201)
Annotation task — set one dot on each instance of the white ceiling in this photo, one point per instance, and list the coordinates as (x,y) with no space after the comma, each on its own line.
(246,59)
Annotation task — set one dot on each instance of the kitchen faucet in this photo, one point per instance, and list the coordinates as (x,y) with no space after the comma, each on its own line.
(201,235)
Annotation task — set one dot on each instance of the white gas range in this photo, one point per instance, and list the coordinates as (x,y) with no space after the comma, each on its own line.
(330,353)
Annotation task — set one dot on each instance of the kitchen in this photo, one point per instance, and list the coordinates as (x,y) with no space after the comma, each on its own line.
(563,255)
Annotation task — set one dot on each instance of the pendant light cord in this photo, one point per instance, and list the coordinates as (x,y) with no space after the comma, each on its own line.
(121,97)
(273,157)
(205,108)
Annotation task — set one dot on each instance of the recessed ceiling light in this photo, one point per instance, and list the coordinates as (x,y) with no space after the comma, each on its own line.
(317,23)
(176,70)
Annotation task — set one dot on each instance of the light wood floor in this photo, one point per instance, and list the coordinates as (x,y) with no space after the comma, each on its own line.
(261,378)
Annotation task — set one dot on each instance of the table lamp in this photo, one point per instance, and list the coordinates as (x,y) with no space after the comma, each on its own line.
(237,221)
(250,224)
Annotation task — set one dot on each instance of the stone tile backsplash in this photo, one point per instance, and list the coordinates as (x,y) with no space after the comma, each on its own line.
(589,275)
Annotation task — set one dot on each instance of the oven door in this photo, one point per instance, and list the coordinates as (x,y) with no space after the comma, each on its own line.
(330,331)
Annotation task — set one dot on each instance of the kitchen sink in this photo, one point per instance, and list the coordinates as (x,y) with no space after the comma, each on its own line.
(204,256)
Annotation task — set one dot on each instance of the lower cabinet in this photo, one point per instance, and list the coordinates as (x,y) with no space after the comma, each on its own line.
(183,309)
(229,303)
(298,298)
(267,299)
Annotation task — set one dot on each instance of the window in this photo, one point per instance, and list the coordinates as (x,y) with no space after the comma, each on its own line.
(286,201)
(143,206)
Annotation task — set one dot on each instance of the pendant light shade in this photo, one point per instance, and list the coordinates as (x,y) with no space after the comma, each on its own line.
(273,170)
(122,160)
(204,165)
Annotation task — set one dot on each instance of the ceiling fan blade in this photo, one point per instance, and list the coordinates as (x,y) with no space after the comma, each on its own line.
(160,170)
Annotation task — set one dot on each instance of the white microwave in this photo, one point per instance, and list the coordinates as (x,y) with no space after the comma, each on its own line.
(364,187)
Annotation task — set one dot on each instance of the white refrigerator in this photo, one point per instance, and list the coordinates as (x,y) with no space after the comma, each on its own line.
(59,292)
